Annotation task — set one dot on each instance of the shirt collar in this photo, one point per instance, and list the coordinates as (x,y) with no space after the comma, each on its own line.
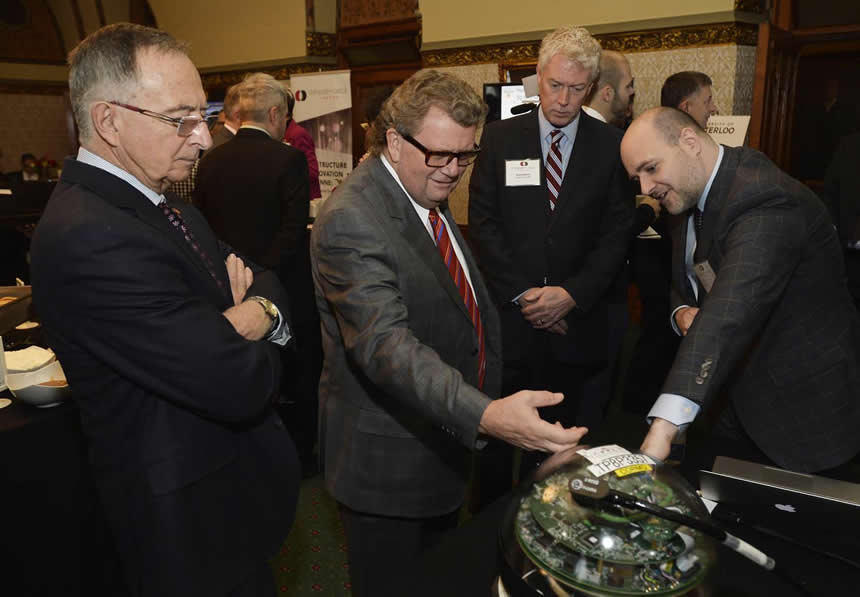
(422,211)
(259,128)
(546,127)
(704,198)
(229,128)
(593,113)
(88,157)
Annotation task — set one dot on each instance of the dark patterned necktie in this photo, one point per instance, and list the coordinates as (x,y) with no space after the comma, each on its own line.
(446,250)
(698,219)
(175,218)
(553,168)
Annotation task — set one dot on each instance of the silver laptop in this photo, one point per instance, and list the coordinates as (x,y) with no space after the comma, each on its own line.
(743,483)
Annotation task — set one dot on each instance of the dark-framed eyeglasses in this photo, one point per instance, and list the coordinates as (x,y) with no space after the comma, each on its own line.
(439,159)
(185,125)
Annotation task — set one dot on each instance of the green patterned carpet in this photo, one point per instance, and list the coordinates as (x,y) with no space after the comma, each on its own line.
(313,559)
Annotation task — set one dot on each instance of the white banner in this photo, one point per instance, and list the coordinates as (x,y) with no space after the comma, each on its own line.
(324,108)
(728,130)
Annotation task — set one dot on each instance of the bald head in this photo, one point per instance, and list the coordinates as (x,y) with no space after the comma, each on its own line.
(614,92)
(671,157)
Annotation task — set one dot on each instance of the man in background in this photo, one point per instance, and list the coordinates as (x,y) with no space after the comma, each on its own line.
(297,136)
(169,341)
(253,189)
(771,347)
(612,95)
(691,92)
(411,338)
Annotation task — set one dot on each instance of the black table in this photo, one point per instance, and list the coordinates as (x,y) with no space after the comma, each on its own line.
(53,538)
(466,562)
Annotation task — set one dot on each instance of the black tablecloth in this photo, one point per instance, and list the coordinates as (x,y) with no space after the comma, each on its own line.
(53,539)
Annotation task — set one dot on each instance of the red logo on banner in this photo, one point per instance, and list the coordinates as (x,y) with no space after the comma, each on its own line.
(524,163)
(301,95)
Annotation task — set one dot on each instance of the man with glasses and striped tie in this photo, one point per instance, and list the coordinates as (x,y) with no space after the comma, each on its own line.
(410,335)
(550,216)
(169,341)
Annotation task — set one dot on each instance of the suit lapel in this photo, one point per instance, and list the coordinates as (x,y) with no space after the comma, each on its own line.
(124,196)
(714,205)
(413,230)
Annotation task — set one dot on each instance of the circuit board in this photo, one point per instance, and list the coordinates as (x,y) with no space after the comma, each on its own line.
(610,551)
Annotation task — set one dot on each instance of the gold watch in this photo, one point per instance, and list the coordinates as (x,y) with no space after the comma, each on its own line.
(269,308)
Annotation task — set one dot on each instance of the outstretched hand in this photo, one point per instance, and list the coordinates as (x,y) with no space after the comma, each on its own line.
(515,420)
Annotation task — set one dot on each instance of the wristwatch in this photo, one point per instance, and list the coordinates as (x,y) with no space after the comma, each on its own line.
(270,309)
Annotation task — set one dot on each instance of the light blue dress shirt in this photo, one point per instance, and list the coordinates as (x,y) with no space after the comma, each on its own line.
(672,407)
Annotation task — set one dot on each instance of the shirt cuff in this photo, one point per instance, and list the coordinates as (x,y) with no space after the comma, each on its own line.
(675,409)
(672,319)
(281,334)
(516,299)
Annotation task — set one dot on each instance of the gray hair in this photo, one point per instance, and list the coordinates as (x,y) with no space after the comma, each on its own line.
(406,107)
(258,93)
(574,43)
(104,66)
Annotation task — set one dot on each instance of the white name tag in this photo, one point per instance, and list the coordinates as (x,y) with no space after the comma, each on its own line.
(522,173)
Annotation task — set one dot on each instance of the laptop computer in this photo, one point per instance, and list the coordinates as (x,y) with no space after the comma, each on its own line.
(740,482)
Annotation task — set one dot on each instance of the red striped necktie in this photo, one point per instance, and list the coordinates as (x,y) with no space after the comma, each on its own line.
(446,250)
(553,168)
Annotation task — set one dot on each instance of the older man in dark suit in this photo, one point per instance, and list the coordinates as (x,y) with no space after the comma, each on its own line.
(253,189)
(411,337)
(760,296)
(169,341)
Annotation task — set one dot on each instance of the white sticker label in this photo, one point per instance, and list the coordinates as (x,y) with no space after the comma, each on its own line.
(613,463)
(595,455)
(522,173)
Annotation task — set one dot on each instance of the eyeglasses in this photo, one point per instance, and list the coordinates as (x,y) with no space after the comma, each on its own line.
(438,159)
(185,125)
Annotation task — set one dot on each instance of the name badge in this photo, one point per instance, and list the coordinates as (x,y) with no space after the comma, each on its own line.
(705,274)
(522,173)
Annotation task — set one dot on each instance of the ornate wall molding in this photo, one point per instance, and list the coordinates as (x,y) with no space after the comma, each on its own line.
(223,80)
(320,44)
(744,34)
(365,12)
(756,6)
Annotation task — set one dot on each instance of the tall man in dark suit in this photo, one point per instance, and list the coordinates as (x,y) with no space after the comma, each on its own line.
(551,215)
(168,339)
(768,324)
(411,338)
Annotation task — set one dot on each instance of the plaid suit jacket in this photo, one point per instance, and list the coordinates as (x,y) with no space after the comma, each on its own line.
(777,333)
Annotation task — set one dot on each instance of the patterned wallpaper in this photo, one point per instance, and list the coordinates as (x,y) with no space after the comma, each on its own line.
(730,66)
(32,124)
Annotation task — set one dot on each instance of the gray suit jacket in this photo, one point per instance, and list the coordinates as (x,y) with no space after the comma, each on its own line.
(399,407)
(778,332)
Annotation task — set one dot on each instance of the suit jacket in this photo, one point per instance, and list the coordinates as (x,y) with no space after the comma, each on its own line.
(399,407)
(297,136)
(253,190)
(841,188)
(580,246)
(778,332)
(198,477)
(220,135)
